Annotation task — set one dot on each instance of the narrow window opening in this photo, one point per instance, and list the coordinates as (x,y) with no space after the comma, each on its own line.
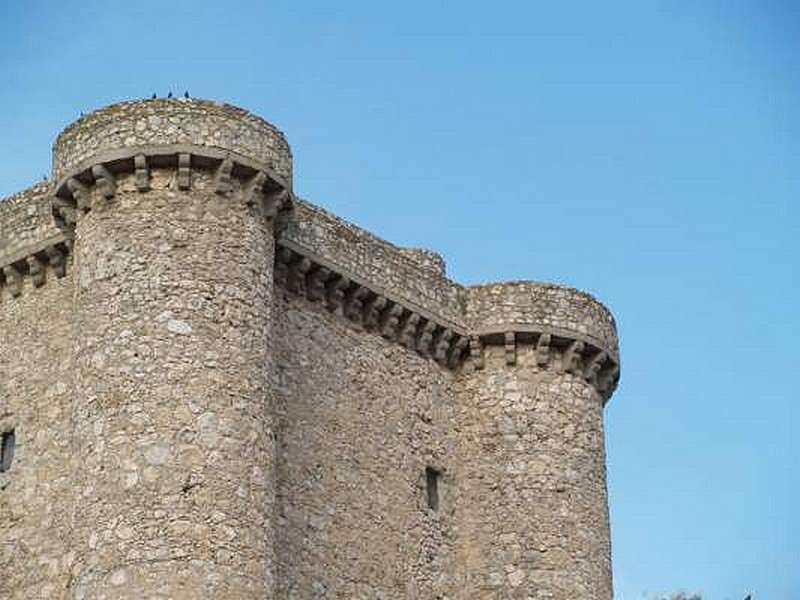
(7,442)
(432,477)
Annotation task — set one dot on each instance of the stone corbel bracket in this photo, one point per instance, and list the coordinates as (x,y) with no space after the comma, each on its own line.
(555,349)
(46,259)
(368,307)
(95,180)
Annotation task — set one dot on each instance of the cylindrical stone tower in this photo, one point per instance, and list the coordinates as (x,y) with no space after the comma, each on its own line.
(172,205)
(531,488)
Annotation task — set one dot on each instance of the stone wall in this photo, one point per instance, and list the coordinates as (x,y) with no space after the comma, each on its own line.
(36,500)
(220,390)
(359,420)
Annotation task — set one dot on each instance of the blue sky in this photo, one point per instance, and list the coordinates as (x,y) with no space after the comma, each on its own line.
(648,152)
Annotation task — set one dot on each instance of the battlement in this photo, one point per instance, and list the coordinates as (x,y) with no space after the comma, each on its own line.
(219,349)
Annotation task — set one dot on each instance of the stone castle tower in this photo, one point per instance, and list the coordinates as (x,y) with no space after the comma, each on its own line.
(212,389)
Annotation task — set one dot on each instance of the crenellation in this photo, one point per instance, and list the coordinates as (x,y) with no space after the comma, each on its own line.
(248,387)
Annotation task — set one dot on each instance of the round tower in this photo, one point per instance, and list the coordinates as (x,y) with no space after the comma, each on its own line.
(172,205)
(532,502)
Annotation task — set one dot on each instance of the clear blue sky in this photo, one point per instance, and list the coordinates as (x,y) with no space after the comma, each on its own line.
(648,152)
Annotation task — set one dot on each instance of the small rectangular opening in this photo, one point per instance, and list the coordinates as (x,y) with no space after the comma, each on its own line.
(432,477)
(7,442)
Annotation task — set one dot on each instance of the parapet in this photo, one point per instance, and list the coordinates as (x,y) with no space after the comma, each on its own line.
(129,128)
(427,259)
(30,242)
(535,306)
(358,254)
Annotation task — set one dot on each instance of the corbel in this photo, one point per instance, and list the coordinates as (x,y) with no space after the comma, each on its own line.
(275,202)
(13,280)
(251,192)
(80,193)
(297,276)
(476,351)
(282,259)
(36,270)
(425,340)
(141,173)
(372,312)
(63,212)
(57,260)
(390,320)
(335,292)
(105,181)
(408,332)
(607,378)
(222,178)
(543,349)
(354,304)
(315,290)
(511,348)
(594,366)
(442,345)
(457,351)
(184,171)
(571,359)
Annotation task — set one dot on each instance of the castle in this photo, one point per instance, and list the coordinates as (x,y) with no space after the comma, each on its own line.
(210,388)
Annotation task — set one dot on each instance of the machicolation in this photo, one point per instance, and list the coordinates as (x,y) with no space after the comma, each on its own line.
(210,388)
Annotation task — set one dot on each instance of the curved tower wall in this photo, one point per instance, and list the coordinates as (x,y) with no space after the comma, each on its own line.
(172,423)
(532,503)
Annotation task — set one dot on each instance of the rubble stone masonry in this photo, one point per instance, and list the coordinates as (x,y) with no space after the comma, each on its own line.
(210,388)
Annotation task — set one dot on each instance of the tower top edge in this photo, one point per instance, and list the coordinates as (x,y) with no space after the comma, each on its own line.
(172,121)
(512,305)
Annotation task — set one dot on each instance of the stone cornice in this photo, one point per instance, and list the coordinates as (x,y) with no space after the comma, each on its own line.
(379,310)
(555,350)
(369,307)
(95,179)
(36,263)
